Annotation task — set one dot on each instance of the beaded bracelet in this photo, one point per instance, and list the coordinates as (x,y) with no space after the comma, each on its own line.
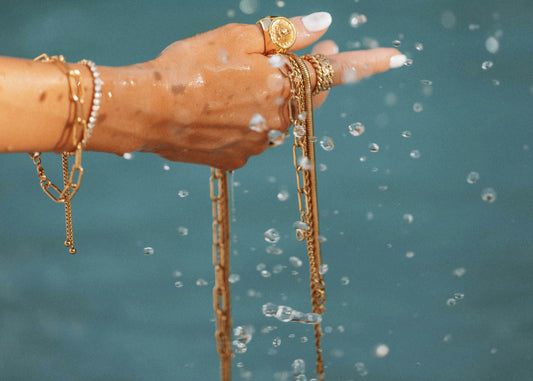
(95,106)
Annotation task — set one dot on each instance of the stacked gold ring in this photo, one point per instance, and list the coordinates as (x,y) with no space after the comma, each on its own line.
(324,72)
(279,32)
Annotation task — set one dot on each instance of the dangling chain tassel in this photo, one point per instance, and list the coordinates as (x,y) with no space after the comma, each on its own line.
(221,262)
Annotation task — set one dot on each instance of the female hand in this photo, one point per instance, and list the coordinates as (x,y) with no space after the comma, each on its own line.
(214,83)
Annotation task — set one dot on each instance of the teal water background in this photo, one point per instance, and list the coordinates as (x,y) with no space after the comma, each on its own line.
(113,313)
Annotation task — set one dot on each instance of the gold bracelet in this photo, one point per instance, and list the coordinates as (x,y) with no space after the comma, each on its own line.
(72,180)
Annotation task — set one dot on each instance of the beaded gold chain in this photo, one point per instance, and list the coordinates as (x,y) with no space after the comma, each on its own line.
(301,116)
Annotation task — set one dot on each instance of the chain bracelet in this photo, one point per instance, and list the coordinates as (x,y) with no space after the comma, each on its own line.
(221,263)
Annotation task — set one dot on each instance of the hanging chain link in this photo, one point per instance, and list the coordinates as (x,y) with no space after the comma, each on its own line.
(301,116)
(221,262)
(72,180)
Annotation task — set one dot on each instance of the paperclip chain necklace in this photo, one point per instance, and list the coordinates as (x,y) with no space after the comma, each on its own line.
(301,116)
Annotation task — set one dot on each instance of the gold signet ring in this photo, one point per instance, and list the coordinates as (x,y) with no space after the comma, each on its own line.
(279,33)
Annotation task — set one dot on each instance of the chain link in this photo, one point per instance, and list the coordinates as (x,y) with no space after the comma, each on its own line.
(301,116)
(221,263)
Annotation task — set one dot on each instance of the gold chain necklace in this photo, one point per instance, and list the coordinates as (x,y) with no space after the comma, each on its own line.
(301,116)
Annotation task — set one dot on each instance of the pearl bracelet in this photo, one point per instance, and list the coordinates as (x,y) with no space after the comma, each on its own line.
(97,95)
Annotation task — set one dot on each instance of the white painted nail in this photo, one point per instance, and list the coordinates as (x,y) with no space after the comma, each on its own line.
(316,22)
(397,61)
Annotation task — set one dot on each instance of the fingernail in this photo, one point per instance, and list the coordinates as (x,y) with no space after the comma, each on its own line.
(397,61)
(316,22)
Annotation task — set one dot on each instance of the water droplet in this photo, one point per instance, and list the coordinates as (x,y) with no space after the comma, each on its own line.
(166,167)
(373,147)
(273,249)
(312,139)
(322,239)
(419,46)
(177,274)
(345,280)
(248,6)
(417,107)
(459,272)
(472,177)
(258,123)
(266,274)
(305,163)
(356,128)
(295,261)
(447,338)
(357,19)
(415,154)
(300,225)
(298,367)
(496,82)
(304,339)
(283,195)
(230,13)
(458,296)
(326,143)
(448,19)
(299,131)
(408,218)
(473,27)
(280,4)
(272,235)
(178,284)
(260,266)
(148,250)
(487,65)
(128,156)
(410,254)
(278,268)
(183,231)
(269,309)
(406,134)
(488,195)
(234,278)
(201,282)
(183,193)
(369,216)
(426,82)
(322,167)
(396,43)
(277,341)
(362,159)
(323,269)
(381,350)
(222,55)
(276,138)
(361,369)
(277,61)
(451,302)
(492,45)
(493,351)
(408,62)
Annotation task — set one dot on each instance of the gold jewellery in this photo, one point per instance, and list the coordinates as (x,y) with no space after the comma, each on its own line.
(280,35)
(72,179)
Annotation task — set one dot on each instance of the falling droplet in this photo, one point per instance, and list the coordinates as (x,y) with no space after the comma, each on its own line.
(277,61)
(183,193)
(148,250)
(408,62)
(373,147)
(272,235)
(451,302)
(459,272)
(409,254)
(492,45)
(201,282)
(345,280)
(408,218)
(357,19)
(128,156)
(295,261)
(417,107)
(248,6)
(322,167)
(487,65)
(381,350)
(458,296)
(488,195)
(472,177)
(326,143)
(300,225)
(266,274)
(426,82)
(283,195)
(396,43)
(419,46)
(356,128)
(298,367)
(183,231)
(166,167)
(276,138)
(473,27)
(178,284)
(277,341)
(305,163)
(273,249)
(234,278)
(406,134)
(415,154)
(361,369)
(323,269)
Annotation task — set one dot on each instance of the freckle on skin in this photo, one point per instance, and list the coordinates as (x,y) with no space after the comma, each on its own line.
(178,89)
(60,96)
(42,96)
(102,117)
(157,76)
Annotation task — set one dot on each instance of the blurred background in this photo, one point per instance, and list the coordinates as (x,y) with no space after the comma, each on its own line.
(428,239)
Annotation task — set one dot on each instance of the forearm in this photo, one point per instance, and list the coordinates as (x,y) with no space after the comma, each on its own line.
(35,107)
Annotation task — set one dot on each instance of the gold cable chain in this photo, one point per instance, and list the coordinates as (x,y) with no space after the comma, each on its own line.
(221,262)
(301,116)
(71,184)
